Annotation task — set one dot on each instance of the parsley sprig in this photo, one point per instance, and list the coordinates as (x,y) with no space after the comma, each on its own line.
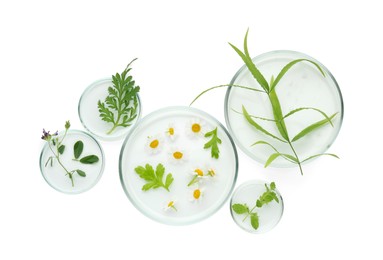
(154,179)
(213,143)
(120,106)
(267,197)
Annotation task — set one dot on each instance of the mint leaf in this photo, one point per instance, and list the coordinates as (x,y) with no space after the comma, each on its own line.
(254,220)
(240,208)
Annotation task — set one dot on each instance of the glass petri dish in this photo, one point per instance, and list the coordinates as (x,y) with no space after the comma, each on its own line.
(303,87)
(89,113)
(174,137)
(269,214)
(56,176)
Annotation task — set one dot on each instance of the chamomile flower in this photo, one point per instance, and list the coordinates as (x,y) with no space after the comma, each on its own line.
(177,156)
(196,194)
(198,175)
(211,172)
(171,132)
(195,128)
(154,144)
(170,205)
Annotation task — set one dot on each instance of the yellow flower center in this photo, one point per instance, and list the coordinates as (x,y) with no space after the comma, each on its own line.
(197,194)
(196,128)
(178,155)
(211,172)
(199,172)
(153,144)
(170,204)
(171,131)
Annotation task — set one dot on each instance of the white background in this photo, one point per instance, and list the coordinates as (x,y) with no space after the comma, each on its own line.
(50,51)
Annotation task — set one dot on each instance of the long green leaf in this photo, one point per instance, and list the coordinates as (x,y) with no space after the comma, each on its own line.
(312,127)
(257,126)
(272,158)
(288,66)
(310,108)
(317,155)
(255,117)
(253,69)
(278,115)
(288,157)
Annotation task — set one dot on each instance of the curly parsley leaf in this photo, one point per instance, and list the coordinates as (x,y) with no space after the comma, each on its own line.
(213,143)
(120,106)
(154,178)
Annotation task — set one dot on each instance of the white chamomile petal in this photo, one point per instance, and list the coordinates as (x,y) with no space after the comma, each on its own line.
(196,193)
(154,144)
(171,132)
(177,155)
(195,128)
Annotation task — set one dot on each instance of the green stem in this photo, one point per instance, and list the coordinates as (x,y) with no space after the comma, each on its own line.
(194,180)
(59,161)
(296,156)
(251,211)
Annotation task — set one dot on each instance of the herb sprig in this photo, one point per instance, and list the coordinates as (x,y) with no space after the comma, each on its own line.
(213,143)
(267,197)
(269,89)
(121,104)
(57,148)
(153,178)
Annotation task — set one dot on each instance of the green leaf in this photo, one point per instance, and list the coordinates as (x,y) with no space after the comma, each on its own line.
(288,157)
(154,179)
(90,159)
(77,149)
(308,108)
(250,65)
(257,126)
(272,186)
(240,208)
(61,149)
(312,128)
(287,67)
(213,143)
(272,158)
(254,220)
(278,116)
(81,173)
(317,155)
(117,107)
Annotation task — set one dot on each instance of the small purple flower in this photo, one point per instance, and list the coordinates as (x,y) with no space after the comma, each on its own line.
(47,136)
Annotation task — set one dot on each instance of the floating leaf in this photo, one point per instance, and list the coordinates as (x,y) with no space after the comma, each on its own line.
(254,220)
(310,108)
(240,208)
(61,149)
(278,116)
(272,158)
(77,149)
(213,143)
(81,173)
(317,155)
(257,126)
(90,159)
(312,127)
(287,67)
(154,179)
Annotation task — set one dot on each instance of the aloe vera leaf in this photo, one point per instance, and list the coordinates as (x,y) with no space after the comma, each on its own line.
(312,127)
(321,154)
(257,126)
(310,108)
(253,69)
(278,116)
(287,67)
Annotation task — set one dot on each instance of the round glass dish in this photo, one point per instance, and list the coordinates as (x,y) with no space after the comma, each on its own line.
(169,175)
(54,173)
(267,216)
(313,100)
(89,114)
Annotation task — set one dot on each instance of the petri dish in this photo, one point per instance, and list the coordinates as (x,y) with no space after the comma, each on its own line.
(55,172)
(90,116)
(268,215)
(178,143)
(306,98)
